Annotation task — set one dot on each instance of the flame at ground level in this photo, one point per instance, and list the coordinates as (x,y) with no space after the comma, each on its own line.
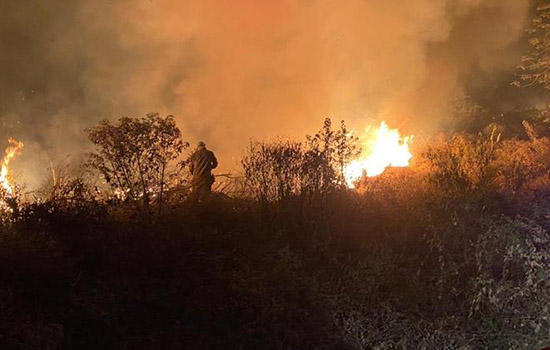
(13,149)
(381,148)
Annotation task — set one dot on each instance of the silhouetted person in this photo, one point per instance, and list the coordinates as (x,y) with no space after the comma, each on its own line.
(201,164)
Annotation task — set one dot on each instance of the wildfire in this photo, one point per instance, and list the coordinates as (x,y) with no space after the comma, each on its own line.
(13,150)
(382,147)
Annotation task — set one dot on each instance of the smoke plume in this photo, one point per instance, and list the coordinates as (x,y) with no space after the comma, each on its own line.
(234,70)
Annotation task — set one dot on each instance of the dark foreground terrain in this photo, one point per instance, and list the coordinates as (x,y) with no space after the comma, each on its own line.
(463,274)
(452,253)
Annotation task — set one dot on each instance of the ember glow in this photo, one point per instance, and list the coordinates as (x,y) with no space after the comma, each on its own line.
(13,150)
(381,148)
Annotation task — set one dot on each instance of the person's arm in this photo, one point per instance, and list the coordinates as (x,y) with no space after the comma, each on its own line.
(214,161)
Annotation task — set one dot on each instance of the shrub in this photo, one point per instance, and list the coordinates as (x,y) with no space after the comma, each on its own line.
(461,164)
(135,155)
(521,167)
(273,169)
(511,292)
(276,170)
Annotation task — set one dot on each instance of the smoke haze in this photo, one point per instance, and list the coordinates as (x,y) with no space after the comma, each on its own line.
(234,70)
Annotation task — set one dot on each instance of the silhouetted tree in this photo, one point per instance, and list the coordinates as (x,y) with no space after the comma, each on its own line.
(327,153)
(536,65)
(134,155)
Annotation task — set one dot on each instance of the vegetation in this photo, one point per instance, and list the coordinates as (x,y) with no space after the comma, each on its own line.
(134,155)
(451,253)
(281,169)
(536,65)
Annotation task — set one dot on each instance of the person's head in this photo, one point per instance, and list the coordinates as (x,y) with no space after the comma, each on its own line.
(201,145)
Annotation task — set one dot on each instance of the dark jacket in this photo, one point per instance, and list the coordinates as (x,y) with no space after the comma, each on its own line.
(201,164)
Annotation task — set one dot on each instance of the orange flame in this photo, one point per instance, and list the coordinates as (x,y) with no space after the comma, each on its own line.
(13,150)
(382,148)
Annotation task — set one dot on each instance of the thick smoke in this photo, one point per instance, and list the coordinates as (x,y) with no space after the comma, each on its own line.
(235,70)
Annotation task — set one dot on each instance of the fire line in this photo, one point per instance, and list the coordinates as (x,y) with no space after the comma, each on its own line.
(12,151)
